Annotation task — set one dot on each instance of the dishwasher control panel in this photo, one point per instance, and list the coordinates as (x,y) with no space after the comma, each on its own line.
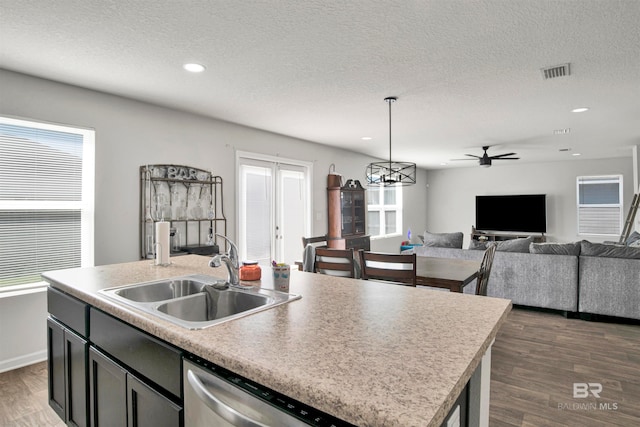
(305,413)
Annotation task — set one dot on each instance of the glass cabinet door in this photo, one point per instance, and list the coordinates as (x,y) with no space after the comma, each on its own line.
(358,213)
(347,213)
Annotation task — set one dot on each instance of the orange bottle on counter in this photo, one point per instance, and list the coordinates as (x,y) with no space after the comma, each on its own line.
(250,270)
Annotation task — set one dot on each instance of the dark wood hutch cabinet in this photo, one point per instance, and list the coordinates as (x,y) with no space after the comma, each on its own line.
(350,216)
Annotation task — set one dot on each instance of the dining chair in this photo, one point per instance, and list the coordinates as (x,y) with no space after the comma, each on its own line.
(309,246)
(399,268)
(485,270)
(318,241)
(335,262)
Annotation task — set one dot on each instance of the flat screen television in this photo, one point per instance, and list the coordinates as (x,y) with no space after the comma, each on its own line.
(524,212)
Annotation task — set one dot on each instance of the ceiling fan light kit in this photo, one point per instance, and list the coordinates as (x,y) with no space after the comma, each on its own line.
(389,173)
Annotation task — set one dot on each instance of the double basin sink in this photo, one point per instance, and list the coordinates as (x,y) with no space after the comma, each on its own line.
(197,301)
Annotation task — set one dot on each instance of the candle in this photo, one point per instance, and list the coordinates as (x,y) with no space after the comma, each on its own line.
(162,243)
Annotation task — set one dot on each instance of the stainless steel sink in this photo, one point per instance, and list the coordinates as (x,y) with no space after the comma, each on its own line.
(160,291)
(197,301)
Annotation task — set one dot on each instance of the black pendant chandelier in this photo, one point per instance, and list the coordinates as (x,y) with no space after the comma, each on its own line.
(391,173)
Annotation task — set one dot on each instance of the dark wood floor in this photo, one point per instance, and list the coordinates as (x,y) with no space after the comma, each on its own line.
(536,359)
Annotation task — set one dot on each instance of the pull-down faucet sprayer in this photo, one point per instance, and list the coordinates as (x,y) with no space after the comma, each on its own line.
(230,260)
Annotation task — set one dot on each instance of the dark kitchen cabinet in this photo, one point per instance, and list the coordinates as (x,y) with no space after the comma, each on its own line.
(148,408)
(67,361)
(108,385)
(57,387)
(104,372)
(135,378)
(119,399)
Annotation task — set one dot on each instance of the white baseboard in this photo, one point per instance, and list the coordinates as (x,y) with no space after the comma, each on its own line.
(19,362)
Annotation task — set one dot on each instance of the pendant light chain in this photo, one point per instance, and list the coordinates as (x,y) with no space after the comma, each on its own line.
(389,101)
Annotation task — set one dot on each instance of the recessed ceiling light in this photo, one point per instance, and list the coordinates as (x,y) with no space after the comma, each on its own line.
(444,164)
(580,110)
(194,68)
(366,138)
(562,131)
(576,154)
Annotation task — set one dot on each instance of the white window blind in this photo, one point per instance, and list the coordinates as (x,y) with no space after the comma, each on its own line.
(46,199)
(255,218)
(384,206)
(600,205)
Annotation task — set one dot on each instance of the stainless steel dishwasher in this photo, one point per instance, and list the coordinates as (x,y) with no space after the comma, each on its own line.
(214,396)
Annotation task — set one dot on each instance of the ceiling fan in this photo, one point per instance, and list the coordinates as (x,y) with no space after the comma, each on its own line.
(485,159)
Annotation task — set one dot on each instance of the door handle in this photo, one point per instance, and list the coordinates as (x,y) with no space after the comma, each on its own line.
(225,411)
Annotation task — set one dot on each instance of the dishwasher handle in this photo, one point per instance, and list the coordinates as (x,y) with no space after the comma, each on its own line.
(216,405)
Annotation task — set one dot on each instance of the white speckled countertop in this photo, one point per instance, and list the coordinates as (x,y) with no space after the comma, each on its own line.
(373,354)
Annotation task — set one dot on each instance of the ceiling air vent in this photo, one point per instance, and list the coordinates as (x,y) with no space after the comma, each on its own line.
(555,71)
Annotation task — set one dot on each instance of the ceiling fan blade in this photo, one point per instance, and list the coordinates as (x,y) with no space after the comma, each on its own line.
(473,155)
(497,156)
(506,158)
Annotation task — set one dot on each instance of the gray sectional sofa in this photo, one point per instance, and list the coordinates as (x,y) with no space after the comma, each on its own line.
(592,280)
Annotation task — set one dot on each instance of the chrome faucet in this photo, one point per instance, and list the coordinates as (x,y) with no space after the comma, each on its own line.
(230,259)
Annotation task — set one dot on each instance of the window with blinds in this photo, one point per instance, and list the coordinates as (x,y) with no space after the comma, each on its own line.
(600,205)
(46,199)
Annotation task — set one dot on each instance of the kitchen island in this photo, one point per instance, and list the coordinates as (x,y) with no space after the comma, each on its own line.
(371,354)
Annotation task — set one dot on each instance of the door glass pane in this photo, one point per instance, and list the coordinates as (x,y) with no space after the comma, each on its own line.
(292,215)
(257,197)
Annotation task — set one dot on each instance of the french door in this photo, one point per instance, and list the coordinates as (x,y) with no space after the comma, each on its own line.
(274,208)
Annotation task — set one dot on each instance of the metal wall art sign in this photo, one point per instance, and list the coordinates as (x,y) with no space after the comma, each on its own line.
(178,173)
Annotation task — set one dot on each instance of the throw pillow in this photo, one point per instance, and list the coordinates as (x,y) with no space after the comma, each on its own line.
(478,245)
(555,248)
(611,251)
(633,237)
(515,245)
(635,244)
(443,240)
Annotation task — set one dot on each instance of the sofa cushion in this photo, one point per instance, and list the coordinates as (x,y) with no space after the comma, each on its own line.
(443,240)
(633,237)
(555,248)
(515,245)
(478,245)
(610,251)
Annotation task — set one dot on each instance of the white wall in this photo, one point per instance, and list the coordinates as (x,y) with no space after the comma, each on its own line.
(131,133)
(23,332)
(451,192)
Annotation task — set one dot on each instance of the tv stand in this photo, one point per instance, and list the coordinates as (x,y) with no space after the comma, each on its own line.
(497,236)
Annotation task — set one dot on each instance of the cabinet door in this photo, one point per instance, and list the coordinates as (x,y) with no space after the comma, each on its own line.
(76,349)
(359,210)
(347,212)
(108,388)
(148,408)
(55,350)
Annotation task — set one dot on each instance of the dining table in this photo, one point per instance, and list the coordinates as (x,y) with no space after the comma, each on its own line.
(450,273)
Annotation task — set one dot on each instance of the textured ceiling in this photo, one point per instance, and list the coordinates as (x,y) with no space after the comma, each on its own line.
(466,73)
